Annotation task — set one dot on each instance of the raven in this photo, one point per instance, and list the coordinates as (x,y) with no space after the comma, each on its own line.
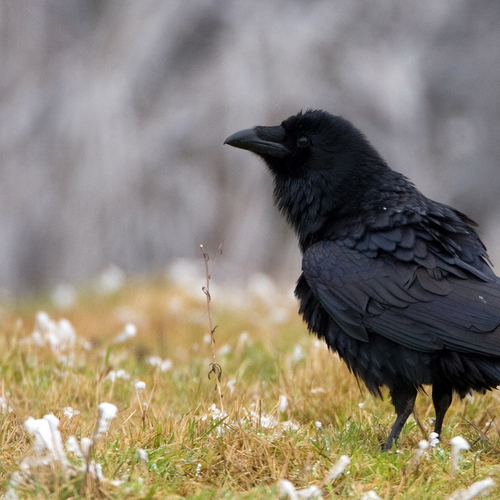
(400,286)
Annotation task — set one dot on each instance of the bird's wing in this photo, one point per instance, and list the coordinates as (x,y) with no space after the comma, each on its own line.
(403,301)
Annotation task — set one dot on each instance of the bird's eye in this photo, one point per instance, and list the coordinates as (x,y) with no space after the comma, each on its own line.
(303,142)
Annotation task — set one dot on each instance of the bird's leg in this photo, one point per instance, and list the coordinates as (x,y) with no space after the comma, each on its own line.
(403,399)
(441,397)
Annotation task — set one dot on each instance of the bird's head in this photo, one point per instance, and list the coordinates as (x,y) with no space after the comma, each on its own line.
(314,141)
(322,165)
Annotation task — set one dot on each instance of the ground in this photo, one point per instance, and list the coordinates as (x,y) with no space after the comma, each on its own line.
(290,409)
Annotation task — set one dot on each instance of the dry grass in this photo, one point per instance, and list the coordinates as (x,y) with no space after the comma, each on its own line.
(193,450)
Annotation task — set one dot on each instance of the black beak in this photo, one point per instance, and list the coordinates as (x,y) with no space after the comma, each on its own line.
(264,141)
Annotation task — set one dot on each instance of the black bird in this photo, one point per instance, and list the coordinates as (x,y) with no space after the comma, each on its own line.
(397,284)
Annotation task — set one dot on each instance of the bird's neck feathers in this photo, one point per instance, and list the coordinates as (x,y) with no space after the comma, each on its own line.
(319,199)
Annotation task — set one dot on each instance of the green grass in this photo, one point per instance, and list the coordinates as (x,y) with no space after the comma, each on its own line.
(195,452)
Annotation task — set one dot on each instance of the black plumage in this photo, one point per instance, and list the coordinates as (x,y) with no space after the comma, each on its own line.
(398,284)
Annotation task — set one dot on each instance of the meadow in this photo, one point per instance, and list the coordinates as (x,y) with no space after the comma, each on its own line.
(292,421)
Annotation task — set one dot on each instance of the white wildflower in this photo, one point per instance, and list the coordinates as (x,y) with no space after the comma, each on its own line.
(107,412)
(298,353)
(213,413)
(317,390)
(86,445)
(433,439)
(289,426)
(310,492)
(64,296)
(143,454)
(261,286)
(244,340)
(458,443)
(283,403)
(59,336)
(111,280)
(370,495)
(11,493)
(4,406)
(140,386)
(163,364)
(70,412)
(73,446)
(40,430)
(280,315)
(423,446)
(56,438)
(118,374)
(266,421)
(473,490)
(230,385)
(338,468)
(128,332)
(318,424)
(225,350)
(286,488)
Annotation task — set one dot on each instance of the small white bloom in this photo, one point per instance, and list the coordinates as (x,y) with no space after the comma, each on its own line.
(280,315)
(433,439)
(122,374)
(73,446)
(40,430)
(43,320)
(318,424)
(298,353)
(86,444)
(163,364)
(230,385)
(244,340)
(310,492)
(289,426)
(458,443)
(261,287)
(70,412)
(423,445)
(128,332)
(225,350)
(370,495)
(473,490)
(11,493)
(4,406)
(64,296)
(107,412)
(113,375)
(286,488)
(56,438)
(143,454)
(283,403)
(111,280)
(140,386)
(316,390)
(338,468)
(59,336)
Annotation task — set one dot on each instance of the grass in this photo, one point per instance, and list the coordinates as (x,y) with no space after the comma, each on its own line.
(292,409)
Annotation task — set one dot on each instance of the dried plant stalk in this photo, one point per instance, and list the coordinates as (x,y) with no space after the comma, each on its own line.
(215,368)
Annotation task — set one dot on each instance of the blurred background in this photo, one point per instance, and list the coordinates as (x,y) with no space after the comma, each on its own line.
(113,114)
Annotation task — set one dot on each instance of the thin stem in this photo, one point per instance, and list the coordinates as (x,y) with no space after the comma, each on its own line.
(215,368)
